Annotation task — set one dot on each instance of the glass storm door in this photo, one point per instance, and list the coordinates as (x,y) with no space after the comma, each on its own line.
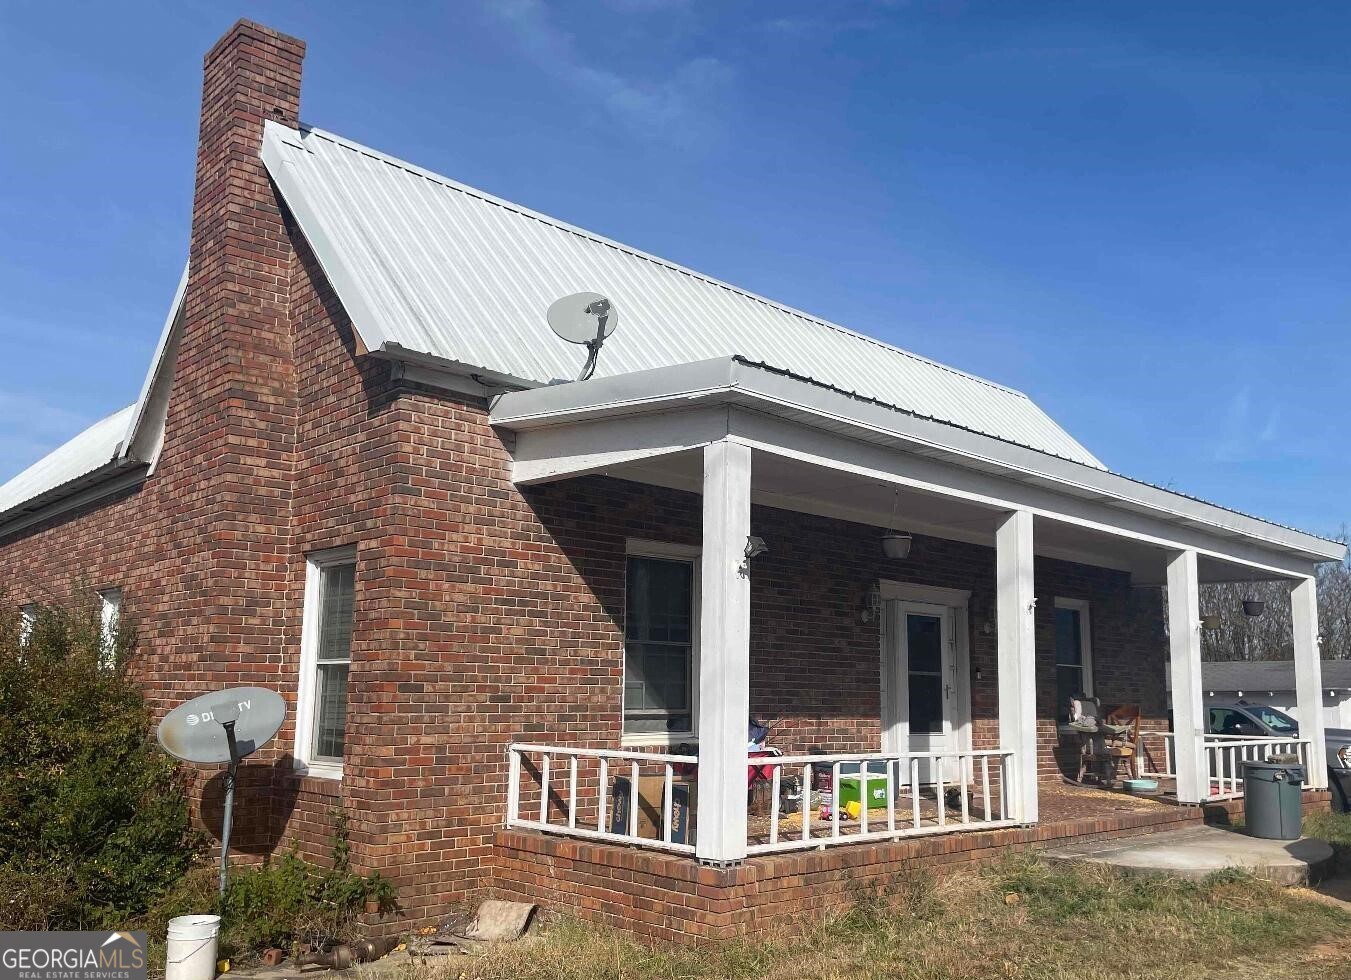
(925,670)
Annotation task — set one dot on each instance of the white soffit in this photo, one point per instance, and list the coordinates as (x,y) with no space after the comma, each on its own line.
(428,266)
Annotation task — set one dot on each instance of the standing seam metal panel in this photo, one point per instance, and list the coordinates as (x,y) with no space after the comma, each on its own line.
(459,275)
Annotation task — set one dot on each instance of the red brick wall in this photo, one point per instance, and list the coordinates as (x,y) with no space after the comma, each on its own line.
(483,614)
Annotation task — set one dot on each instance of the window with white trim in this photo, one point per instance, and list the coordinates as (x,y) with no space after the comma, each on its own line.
(28,620)
(325,659)
(1073,653)
(661,642)
(110,615)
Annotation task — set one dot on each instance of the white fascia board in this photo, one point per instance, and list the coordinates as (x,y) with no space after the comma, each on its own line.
(307,213)
(809,406)
(145,431)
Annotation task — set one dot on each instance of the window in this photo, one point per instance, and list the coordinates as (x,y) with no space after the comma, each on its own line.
(1278,721)
(660,643)
(1073,654)
(110,614)
(1227,721)
(325,658)
(28,619)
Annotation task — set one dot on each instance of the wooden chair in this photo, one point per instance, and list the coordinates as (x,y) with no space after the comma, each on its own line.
(1115,741)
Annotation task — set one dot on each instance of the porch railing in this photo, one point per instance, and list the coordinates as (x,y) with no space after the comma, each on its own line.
(911,805)
(1225,755)
(570,791)
(644,799)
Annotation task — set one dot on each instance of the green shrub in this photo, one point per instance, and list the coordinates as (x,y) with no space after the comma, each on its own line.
(290,901)
(93,815)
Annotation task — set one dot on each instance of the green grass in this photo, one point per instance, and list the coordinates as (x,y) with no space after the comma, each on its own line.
(1019,919)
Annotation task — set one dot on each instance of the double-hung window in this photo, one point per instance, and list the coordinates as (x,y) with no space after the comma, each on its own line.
(326,657)
(661,637)
(28,620)
(110,615)
(1073,654)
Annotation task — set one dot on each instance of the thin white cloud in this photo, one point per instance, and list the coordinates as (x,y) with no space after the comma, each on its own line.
(679,107)
(1248,432)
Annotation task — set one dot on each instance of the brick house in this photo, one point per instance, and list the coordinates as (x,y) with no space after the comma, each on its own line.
(497,601)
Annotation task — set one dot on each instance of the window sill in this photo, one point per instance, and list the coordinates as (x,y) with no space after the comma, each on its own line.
(664,740)
(319,770)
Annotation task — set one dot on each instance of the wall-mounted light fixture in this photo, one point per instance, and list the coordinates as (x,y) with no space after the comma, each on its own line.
(872,605)
(755,547)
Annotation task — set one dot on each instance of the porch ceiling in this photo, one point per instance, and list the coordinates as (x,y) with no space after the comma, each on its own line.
(795,485)
(826,452)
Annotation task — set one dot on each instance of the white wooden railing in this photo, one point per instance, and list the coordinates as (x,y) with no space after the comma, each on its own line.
(984,781)
(568,791)
(1225,755)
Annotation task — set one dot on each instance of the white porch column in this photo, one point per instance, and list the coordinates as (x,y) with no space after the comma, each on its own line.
(724,654)
(1015,610)
(1309,678)
(1184,667)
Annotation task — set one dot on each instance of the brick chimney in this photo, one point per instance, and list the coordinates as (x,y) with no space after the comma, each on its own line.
(228,461)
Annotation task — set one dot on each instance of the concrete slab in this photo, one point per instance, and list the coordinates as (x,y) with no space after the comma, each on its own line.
(1199,851)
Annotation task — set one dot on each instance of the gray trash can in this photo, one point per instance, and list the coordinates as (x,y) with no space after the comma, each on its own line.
(1271,797)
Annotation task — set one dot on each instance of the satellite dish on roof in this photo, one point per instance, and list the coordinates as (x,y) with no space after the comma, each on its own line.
(584,318)
(224,726)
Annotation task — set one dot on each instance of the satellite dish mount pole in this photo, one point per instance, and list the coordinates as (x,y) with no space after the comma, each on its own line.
(228,817)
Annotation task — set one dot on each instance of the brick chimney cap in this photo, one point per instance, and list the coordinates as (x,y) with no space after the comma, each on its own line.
(245,28)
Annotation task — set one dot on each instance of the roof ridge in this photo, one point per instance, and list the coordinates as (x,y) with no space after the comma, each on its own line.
(452,184)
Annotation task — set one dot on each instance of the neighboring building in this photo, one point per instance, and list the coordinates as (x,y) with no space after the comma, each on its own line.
(354,475)
(1272,682)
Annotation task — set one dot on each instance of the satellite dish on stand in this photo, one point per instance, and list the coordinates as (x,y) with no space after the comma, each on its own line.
(223,727)
(584,318)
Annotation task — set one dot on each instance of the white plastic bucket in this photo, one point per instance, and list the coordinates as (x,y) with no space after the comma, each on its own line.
(190,947)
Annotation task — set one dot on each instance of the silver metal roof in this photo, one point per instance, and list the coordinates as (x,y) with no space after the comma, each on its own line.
(93,449)
(128,439)
(429,266)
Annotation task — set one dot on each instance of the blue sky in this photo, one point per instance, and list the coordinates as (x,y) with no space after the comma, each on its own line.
(1136,213)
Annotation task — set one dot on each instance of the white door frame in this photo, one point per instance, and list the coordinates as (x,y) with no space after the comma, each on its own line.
(896,731)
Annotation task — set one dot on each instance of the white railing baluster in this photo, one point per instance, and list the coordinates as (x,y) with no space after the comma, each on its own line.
(572,792)
(892,773)
(633,799)
(864,797)
(774,805)
(938,791)
(966,811)
(806,801)
(513,786)
(544,789)
(985,786)
(667,788)
(604,789)
(835,802)
(915,814)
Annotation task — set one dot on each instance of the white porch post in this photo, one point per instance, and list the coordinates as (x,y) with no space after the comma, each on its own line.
(1015,606)
(1309,678)
(724,654)
(1184,666)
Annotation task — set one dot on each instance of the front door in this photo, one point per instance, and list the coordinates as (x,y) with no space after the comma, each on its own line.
(923,688)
